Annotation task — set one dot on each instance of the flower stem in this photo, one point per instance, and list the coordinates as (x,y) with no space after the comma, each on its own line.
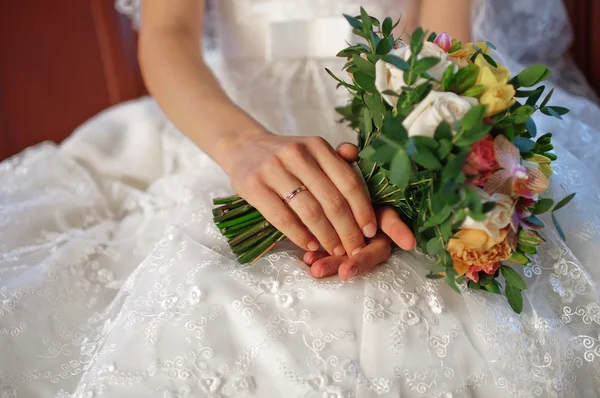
(249,232)
(239,220)
(226,200)
(229,214)
(253,240)
(261,249)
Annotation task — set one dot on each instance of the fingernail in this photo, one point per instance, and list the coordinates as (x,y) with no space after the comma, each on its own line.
(353,272)
(322,272)
(341,145)
(356,251)
(313,246)
(369,230)
(339,251)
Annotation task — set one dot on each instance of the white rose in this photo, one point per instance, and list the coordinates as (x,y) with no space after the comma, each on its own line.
(388,77)
(497,219)
(435,108)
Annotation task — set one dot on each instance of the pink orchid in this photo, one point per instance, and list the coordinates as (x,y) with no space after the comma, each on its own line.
(443,41)
(514,179)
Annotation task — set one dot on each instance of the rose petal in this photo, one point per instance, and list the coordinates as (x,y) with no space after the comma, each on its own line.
(507,154)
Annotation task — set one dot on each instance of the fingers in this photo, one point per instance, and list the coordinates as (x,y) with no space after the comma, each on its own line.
(348,152)
(348,183)
(392,225)
(281,217)
(307,208)
(377,252)
(333,204)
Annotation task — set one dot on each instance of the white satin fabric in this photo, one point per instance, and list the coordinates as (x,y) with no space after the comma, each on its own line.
(115,283)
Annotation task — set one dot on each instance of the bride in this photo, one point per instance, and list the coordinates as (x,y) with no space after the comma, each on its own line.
(114,281)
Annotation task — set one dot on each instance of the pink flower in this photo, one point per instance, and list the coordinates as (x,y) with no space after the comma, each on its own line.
(443,41)
(481,162)
(514,179)
(474,270)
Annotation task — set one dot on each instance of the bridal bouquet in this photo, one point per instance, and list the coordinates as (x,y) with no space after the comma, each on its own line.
(447,137)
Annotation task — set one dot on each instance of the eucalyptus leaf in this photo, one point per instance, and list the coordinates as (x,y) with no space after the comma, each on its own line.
(563,202)
(422,155)
(353,21)
(514,297)
(387,26)
(542,206)
(438,218)
(524,144)
(531,127)
(443,131)
(558,227)
(513,278)
(396,61)
(400,170)
(434,246)
(363,65)
(365,81)
(532,75)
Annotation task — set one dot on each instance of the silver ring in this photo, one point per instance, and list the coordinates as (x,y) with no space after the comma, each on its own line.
(294,193)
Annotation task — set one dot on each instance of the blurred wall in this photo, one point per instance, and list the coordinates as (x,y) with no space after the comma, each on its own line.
(61,62)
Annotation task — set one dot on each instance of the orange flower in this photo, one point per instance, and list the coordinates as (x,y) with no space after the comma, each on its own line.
(473,247)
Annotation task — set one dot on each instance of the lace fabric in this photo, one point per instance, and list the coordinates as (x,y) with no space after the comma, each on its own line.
(114,282)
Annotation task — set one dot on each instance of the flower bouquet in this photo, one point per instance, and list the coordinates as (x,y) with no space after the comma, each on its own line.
(444,140)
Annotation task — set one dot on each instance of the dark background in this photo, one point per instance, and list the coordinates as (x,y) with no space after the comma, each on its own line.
(63,61)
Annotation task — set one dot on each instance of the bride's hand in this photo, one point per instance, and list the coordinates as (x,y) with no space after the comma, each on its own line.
(378,249)
(335,207)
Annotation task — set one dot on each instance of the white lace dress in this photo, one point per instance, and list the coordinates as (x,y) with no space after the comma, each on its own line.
(115,283)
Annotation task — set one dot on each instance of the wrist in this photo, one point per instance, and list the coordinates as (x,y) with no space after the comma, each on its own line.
(229,144)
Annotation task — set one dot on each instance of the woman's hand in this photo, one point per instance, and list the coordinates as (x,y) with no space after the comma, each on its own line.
(335,207)
(378,249)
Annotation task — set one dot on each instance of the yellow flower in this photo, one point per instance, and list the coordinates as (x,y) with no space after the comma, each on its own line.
(543,164)
(498,97)
(490,75)
(467,51)
(475,247)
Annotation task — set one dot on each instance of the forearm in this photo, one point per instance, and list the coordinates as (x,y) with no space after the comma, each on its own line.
(187,91)
(451,16)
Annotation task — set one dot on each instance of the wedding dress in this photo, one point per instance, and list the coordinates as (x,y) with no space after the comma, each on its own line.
(115,283)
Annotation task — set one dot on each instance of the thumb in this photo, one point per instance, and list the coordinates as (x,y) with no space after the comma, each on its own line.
(348,152)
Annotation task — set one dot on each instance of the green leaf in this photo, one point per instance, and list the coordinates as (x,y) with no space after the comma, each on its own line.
(532,75)
(385,46)
(438,218)
(492,288)
(343,83)
(524,144)
(474,91)
(396,61)
(545,101)
(535,221)
(513,278)
(444,149)
(542,206)
(392,127)
(473,117)
(363,65)
(523,113)
(454,166)
(531,127)
(473,135)
(443,131)
(554,110)
(473,200)
(519,258)
(400,170)
(365,81)
(456,45)
(434,246)
(416,41)
(353,21)
(537,93)
(424,64)
(465,78)
(367,121)
(514,297)
(435,276)
(448,79)
(558,228)
(374,103)
(490,60)
(422,155)
(366,21)
(487,207)
(563,202)
(387,26)
(527,249)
